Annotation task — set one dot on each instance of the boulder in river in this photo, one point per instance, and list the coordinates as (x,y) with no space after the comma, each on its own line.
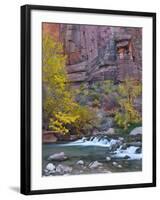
(119,166)
(115,144)
(121,139)
(136,144)
(115,164)
(80,162)
(136,131)
(126,157)
(62,169)
(50,167)
(108,158)
(95,164)
(139,150)
(58,157)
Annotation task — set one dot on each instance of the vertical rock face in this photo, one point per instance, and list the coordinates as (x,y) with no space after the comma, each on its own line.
(98,53)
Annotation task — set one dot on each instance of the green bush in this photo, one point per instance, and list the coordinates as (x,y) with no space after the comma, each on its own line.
(126,114)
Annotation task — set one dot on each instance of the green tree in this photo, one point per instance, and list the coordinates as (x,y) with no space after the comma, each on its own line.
(87,119)
(109,87)
(128,91)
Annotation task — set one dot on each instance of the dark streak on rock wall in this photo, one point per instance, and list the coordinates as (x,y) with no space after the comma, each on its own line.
(97,53)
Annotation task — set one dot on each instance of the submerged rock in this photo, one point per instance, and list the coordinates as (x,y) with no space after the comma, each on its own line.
(108,158)
(121,139)
(80,162)
(136,144)
(58,157)
(95,164)
(62,169)
(124,146)
(115,144)
(130,144)
(115,164)
(139,150)
(119,166)
(126,157)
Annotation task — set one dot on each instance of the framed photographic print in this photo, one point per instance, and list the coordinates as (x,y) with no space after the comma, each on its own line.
(88,99)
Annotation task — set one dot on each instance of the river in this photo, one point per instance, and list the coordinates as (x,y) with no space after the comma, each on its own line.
(112,157)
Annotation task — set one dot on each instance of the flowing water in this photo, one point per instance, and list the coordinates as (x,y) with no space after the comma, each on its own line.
(108,151)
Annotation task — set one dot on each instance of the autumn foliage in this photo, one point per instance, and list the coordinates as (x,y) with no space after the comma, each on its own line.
(60,110)
(64,114)
(127,114)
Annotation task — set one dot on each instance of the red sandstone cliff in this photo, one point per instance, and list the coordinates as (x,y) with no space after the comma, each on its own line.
(98,53)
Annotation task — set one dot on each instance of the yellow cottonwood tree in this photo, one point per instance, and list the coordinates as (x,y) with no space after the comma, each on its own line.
(58,100)
(60,110)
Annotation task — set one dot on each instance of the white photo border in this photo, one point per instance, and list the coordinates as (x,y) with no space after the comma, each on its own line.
(45,183)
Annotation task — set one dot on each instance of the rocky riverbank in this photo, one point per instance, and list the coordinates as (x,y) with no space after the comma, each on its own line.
(97,154)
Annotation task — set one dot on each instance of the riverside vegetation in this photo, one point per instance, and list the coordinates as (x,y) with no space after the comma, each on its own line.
(101,114)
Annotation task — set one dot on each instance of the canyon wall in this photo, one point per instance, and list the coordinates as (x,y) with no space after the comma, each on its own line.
(97,53)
